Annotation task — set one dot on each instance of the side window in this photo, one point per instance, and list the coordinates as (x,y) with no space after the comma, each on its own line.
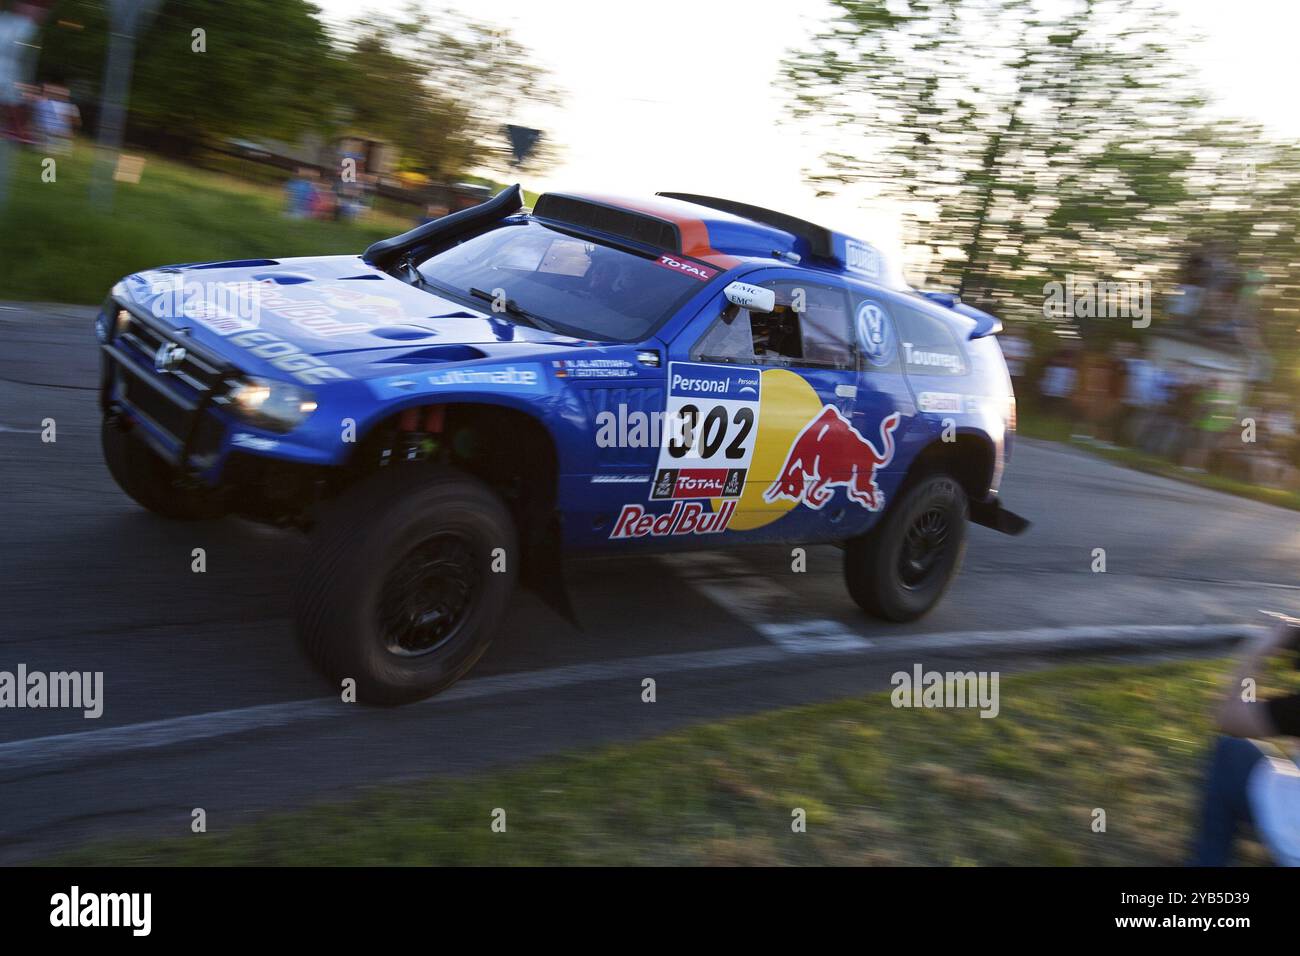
(809,326)
(729,339)
(928,345)
(827,327)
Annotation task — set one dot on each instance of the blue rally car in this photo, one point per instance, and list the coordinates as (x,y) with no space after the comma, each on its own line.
(467,403)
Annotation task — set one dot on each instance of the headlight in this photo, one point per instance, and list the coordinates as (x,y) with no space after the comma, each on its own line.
(112,321)
(277,406)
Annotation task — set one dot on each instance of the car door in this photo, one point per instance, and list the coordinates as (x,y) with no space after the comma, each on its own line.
(885,413)
(759,409)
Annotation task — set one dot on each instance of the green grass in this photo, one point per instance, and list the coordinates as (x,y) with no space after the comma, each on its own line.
(56,248)
(880,786)
(1052,428)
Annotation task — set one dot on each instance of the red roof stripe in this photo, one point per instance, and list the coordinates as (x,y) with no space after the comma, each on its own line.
(694,232)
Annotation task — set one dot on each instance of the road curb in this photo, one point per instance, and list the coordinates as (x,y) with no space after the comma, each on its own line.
(43,753)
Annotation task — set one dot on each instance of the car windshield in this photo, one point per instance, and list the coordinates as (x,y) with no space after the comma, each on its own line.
(576,285)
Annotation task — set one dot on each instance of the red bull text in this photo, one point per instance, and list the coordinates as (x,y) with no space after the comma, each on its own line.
(685,517)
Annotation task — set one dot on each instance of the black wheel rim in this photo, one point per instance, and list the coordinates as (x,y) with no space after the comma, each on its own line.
(428,595)
(924,548)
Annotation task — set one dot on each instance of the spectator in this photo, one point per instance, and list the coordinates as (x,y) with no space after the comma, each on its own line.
(1144,397)
(1211,420)
(1017,352)
(19,30)
(1161,430)
(1244,783)
(300,193)
(1276,444)
(1095,399)
(1279,425)
(349,189)
(1181,412)
(56,119)
(1057,383)
(324,204)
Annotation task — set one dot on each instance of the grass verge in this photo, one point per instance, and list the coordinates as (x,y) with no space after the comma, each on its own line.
(880,785)
(57,248)
(1048,428)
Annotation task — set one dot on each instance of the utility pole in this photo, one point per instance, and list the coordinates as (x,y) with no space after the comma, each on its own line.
(126,19)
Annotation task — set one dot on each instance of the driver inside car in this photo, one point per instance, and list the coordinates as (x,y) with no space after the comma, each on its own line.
(606,279)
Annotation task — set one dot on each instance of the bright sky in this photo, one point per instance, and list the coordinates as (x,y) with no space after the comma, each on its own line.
(681,96)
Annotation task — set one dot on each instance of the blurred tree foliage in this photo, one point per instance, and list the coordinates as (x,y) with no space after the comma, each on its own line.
(267,67)
(438,86)
(1027,141)
(458,80)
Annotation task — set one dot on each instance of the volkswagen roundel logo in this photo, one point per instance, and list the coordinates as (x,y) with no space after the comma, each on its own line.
(168,356)
(874,334)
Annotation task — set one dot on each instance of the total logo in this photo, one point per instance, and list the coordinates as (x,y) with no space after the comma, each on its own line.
(703,273)
(698,483)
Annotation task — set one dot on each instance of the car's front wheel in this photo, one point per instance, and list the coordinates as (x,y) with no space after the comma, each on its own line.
(148,480)
(407,581)
(900,568)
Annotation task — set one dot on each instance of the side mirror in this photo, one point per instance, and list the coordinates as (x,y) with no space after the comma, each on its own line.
(752,297)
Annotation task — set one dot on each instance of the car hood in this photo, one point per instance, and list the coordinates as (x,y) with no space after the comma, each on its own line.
(335,306)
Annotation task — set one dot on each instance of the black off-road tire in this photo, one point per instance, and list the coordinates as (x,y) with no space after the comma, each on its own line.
(879,566)
(406,538)
(150,481)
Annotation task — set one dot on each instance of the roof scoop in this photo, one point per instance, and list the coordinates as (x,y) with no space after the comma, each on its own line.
(386,253)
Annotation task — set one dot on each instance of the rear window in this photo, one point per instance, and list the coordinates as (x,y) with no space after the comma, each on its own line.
(928,344)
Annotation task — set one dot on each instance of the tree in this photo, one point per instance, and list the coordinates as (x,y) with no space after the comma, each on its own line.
(439,86)
(1024,145)
(442,86)
(259,67)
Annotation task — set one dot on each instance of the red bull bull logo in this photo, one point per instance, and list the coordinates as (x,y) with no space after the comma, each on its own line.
(829,453)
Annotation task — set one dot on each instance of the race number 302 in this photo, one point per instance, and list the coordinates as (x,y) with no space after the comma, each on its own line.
(710,424)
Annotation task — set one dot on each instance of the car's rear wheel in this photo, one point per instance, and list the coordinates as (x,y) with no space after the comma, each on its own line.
(406,582)
(900,569)
(149,480)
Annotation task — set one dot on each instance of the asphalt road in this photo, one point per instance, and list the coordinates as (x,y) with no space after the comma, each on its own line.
(209,704)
